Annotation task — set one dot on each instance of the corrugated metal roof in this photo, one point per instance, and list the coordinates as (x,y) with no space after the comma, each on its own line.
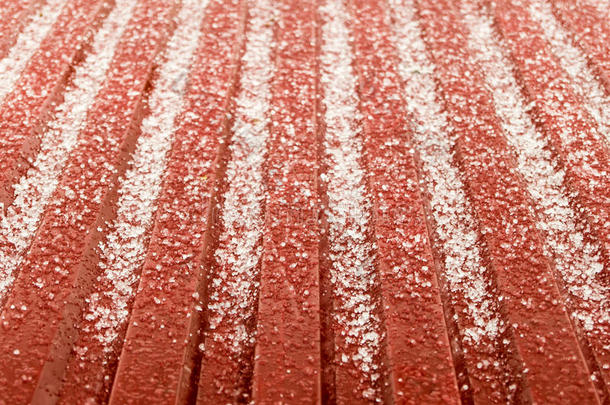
(319,201)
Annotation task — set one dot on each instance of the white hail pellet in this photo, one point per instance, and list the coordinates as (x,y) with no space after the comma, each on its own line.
(574,62)
(455,225)
(351,252)
(234,286)
(123,248)
(577,261)
(35,188)
(27,43)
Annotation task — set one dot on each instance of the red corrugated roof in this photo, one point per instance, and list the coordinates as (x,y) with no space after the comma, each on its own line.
(281,201)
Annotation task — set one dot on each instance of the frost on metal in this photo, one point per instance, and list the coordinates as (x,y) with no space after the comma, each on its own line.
(351,250)
(36,187)
(602,7)
(455,227)
(576,259)
(27,44)
(234,281)
(123,249)
(574,62)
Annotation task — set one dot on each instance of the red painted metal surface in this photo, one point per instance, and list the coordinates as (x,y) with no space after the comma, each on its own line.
(258,208)
(25,110)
